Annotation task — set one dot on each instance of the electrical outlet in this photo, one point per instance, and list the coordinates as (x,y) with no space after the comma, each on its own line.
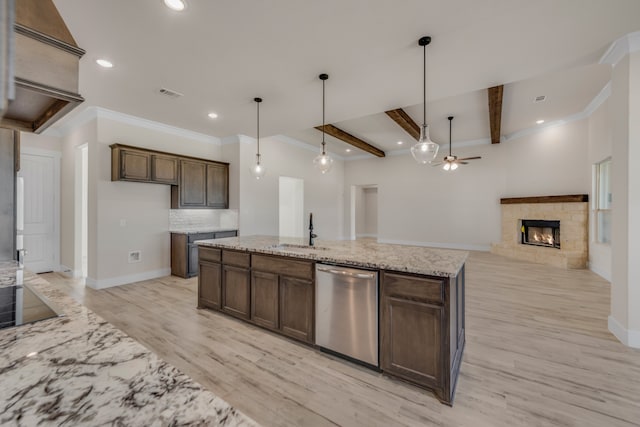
(134,256)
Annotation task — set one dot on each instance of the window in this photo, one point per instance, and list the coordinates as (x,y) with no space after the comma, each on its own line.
(602,202)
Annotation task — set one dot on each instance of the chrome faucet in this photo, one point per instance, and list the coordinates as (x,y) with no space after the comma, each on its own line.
(311,235)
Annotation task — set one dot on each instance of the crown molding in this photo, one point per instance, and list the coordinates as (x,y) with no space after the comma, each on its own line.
(94,113)
(620,48)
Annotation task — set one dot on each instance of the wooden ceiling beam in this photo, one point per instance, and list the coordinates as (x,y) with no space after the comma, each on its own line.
(351,140)
(495,112)
(405,122)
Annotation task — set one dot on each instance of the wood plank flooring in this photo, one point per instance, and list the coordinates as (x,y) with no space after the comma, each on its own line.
(538,354)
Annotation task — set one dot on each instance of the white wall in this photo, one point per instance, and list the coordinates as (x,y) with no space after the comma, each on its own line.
(371,211)
(258,199)
(291,207)
(599,150)
(133,216)
(425,205)
(41,142)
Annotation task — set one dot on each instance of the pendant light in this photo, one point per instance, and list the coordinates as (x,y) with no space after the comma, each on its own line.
(323,162)
(450,161)
(425,150)
(258,170)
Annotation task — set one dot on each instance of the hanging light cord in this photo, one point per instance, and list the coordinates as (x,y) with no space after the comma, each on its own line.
(450,121)
(323,143)
(258,154)
(424,85)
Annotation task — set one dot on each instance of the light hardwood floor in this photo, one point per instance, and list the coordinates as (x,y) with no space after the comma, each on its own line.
(538,354)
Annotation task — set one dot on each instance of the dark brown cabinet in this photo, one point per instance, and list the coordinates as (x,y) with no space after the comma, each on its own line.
(217,186)
(297,308)
(210,285)
(201,185)
(193,184)
(184,251)
(265,295)
(236,291)
(164,169)
(133,165)
(422,330)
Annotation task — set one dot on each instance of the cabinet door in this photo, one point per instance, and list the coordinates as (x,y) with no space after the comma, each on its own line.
(410,340)
(264,299)
(296,308)
(193,184)
(135,165)
(236,291)
(210,285)
(193,260)
(164,169)
(217,186)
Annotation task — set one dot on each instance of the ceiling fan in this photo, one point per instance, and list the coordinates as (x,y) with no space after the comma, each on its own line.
(451,162)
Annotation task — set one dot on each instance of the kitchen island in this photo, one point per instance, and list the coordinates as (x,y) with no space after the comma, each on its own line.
(271,282)
(77,369)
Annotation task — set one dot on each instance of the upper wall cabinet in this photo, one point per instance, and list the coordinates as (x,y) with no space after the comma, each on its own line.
(140,165)
(196,183)
(202,185)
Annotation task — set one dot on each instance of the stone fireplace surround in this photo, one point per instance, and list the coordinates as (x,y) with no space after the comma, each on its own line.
(573,213)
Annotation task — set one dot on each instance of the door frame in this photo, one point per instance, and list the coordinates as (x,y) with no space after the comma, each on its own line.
(56,156)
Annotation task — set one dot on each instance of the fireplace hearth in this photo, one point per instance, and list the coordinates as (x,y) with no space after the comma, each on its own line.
(539,232)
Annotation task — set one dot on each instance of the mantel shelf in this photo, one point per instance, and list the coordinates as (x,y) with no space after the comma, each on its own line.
(572,198)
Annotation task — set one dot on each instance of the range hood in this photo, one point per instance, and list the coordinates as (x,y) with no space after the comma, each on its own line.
(45,68)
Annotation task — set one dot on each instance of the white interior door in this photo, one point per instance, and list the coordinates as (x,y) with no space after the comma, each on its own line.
(39,173)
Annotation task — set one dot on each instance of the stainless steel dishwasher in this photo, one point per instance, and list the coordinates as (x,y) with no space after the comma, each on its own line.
(347,312)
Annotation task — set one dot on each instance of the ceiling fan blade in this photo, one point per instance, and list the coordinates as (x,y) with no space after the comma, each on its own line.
(471,158)
(462,163)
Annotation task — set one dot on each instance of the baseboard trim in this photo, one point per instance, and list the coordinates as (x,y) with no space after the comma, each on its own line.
(74,274)
(359,236)
(460,246)
(124,280)
(628,337)
(606,275)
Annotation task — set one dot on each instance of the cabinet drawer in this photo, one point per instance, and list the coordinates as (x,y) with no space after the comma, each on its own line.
(284,266)
(200,236)
(209,254)
(412,288)
(241,259)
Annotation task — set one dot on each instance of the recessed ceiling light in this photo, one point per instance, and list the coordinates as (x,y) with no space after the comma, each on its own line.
(539,122)
(177,5)
(104,63)
(400,142)
(348,150)
(212,115)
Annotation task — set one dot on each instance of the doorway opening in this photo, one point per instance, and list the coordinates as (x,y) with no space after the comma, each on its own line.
(81,245)
(364,211)
(291,207)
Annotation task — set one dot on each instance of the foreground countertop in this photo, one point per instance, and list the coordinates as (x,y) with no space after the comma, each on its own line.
(80,370)
(358,253)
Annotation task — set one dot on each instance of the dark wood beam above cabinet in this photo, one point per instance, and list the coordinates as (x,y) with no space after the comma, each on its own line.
(405,122)
(351,140)
(495,112)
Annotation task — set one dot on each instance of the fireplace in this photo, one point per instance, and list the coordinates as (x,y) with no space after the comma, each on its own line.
(539,232)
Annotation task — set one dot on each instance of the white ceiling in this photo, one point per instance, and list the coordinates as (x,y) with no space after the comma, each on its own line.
(221,54)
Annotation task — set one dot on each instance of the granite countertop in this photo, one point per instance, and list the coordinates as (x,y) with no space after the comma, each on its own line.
(80,370)
(359,253)
(201,230)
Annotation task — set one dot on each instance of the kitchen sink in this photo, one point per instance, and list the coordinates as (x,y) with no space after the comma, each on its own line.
(294,247)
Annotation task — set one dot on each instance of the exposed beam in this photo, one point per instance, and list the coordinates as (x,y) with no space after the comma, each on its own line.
(405,122)
(495,112)
(350,139)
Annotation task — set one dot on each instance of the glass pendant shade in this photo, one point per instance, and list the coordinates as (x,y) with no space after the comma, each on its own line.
(257,170)
(425,150)
(323,162)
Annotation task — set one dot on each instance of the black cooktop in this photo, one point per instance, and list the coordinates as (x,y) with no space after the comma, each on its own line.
(20,304)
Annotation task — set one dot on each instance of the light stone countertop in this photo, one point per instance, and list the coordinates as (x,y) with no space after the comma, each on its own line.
(358,253)
(80,370)
(198,230)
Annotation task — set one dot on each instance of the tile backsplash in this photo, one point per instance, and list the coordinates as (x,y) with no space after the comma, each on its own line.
(193,219)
